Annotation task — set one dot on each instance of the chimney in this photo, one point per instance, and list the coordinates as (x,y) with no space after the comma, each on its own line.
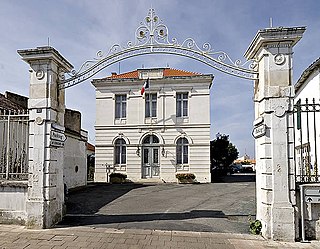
(113,74)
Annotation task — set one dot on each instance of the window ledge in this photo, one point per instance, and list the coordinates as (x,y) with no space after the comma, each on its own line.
(182,167)
(120,167)
(150,120)
(120,121)
(182,119)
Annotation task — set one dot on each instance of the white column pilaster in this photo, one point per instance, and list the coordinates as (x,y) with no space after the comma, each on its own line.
(46,113)
(273,97)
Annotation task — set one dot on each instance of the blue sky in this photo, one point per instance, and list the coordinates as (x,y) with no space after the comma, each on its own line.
(78,29)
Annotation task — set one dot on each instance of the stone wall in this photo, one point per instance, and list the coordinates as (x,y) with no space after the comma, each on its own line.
(17,99)
(13,196)
(72,120)
(75,160)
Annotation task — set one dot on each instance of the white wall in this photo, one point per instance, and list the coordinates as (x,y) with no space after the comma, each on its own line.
(75,156)
(13,198)
(310,89)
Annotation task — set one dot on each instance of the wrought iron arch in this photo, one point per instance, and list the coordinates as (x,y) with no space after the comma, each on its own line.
(152,37)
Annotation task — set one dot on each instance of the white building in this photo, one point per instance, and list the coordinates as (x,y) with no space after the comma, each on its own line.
(157,134)
(307,125)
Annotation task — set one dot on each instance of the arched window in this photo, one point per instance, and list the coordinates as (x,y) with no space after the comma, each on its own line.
(150,139)
(182,151)
(120,152)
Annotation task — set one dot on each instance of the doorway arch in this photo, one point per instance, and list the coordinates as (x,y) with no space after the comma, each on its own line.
(150,159)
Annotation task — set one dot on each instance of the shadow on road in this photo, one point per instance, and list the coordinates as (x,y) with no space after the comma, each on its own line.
(83,206)
(91,206)
(237,177)
(90,199)
(77,220)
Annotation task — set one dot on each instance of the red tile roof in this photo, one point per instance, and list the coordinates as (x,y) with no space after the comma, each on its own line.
(128,75)
(167,72)
(90,147)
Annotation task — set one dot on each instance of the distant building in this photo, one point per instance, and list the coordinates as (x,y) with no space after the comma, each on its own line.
(155,134)
(246,160)
(90,161)
(90,149)
(75,154)
(243,158)
(12,102)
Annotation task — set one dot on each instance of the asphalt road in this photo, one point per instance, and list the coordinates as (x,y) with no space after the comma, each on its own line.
(224,206)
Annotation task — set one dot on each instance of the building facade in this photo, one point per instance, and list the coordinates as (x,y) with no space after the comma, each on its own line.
(153,135)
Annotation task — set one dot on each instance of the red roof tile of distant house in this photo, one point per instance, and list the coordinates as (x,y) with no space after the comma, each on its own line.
(167,72)
(90,147)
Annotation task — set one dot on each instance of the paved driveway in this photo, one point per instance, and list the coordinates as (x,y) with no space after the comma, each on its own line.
(215,207)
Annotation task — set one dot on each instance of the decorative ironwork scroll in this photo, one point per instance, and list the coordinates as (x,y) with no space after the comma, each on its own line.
(152,37)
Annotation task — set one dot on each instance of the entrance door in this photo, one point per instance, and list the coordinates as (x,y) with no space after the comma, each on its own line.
(150,164)
(150,157)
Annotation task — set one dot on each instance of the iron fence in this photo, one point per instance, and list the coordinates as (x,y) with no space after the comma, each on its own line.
(14,132)
(306,139)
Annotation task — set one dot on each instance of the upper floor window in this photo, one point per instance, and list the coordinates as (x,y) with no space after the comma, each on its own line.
(182,151)
(120,151)
(151,105)
(182,104)
(121,106)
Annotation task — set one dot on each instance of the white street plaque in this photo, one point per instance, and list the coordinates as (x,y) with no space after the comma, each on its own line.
(312,191)
(55,143)
(259,131)
(57,136)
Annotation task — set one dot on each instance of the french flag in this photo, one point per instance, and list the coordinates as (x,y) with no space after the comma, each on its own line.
(145,86)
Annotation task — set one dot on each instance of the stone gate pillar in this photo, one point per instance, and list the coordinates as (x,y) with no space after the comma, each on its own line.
(46,154)
(273,131)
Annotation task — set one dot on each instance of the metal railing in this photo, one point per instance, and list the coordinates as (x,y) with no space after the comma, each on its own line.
(306,138)
(14,144)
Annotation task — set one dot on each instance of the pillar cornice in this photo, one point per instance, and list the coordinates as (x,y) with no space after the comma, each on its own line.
(45,53)
(280,35)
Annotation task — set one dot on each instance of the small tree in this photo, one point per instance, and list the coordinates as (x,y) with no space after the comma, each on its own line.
(222,151)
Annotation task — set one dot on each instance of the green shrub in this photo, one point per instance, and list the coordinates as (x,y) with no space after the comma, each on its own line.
(255,226)
(118,175)
(185,176)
